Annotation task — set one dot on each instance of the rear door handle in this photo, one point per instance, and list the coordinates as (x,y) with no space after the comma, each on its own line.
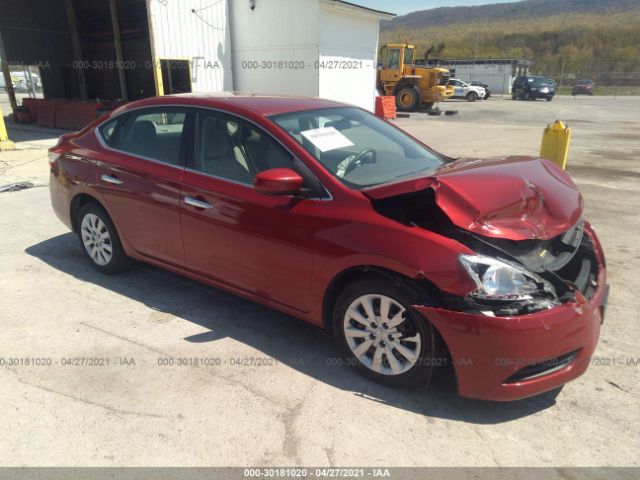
(110,179)
(194,202)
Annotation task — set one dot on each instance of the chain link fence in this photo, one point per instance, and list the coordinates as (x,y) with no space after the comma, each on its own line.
(610,84)
(613,84)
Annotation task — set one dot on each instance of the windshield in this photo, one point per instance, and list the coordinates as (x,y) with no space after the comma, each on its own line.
(539,81)
(357,147)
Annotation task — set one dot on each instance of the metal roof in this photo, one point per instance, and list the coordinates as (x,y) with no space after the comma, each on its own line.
(480,61)
(354,6)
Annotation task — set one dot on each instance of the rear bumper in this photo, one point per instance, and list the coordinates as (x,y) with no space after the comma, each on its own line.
(509,358)
(60,199)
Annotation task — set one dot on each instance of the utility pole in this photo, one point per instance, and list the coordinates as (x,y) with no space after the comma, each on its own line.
(475,54)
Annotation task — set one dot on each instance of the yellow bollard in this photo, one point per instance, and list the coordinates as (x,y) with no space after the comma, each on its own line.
(5,143)
(555,143)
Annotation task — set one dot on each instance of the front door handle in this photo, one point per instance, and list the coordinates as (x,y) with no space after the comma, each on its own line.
(110,179)
(194,202)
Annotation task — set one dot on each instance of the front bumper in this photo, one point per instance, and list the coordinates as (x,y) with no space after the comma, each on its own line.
(539,94)
(509,358)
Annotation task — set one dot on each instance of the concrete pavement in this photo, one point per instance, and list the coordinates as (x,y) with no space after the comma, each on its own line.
(111,379)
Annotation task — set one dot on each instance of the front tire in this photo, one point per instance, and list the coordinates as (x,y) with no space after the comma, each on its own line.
(378,331)
(100,241)
(549,99)
(408,98)
(472,96)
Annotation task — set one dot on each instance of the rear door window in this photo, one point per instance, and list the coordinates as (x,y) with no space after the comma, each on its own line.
(153,133)
(108,130)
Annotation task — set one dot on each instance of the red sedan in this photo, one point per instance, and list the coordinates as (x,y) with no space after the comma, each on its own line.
(327,213)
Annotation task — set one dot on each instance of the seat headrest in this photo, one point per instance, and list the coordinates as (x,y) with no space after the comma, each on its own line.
(215,141)
(143,131)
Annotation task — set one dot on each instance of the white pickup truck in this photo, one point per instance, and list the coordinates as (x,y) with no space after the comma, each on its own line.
(464,90)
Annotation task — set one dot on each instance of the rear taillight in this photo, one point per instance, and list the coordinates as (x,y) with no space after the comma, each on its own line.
(53,157)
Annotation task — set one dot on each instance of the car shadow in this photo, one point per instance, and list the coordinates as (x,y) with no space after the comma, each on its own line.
(303,347)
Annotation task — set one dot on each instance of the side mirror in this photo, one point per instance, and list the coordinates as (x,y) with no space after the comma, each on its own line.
(278,181)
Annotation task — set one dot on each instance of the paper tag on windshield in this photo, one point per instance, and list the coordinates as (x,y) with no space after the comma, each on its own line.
(326,139)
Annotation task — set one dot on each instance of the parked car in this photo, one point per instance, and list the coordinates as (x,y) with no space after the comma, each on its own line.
(487,90)
(533,87)
(21,82)
(327,213)
(583,87)
(464,90)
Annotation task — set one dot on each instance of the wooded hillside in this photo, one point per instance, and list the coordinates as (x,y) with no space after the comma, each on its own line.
(596,36)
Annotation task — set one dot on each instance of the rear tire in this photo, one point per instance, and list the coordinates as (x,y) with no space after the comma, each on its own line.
(472,96)
(400,350)
(408,98)
(100,241)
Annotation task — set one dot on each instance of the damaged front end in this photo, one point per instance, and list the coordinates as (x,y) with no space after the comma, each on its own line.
(516,277)
(532,250)
(530,319)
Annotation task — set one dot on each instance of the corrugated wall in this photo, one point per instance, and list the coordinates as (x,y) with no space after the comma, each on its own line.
(348,52)
(498,77)
(275,46)
(35,32)
(198,31)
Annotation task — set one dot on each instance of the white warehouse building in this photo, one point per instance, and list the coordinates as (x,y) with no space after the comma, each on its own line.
(498,74)
(121,50)
(318,48)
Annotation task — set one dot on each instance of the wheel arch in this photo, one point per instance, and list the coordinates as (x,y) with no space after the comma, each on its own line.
(406,81)
(79,201)
(423,291)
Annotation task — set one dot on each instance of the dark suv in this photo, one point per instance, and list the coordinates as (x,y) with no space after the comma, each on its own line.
(533,87)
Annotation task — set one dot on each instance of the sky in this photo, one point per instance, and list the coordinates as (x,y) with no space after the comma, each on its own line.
(401,7)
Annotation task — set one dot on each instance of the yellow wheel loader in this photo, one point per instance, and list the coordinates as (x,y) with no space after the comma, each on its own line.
(413,85)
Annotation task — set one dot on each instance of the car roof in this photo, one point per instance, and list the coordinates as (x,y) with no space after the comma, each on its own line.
(256,103)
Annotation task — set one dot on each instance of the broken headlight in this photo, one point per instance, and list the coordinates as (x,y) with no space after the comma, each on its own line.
(501,280)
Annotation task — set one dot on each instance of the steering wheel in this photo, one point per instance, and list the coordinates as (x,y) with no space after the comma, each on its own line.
(353,161)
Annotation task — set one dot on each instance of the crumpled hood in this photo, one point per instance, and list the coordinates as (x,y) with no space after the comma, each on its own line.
(516,198)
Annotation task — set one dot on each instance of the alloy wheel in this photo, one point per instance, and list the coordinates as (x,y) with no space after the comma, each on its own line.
(96,239)
(381,334)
